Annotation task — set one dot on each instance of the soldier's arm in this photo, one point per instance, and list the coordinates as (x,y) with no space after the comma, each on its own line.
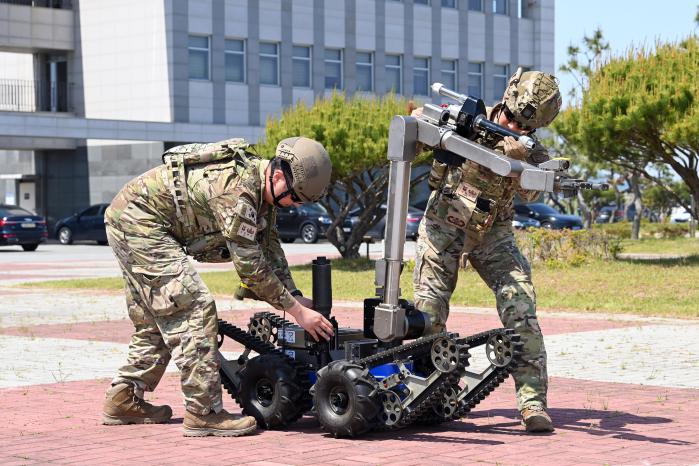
(238,220)
(538,154)
(276,257)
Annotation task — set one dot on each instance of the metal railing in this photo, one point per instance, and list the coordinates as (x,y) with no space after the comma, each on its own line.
(20,95)
(66,4)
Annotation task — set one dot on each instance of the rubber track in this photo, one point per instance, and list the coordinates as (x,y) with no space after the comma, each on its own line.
(262,347)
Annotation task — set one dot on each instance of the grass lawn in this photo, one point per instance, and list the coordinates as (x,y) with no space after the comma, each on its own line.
(666,287)
(685,246)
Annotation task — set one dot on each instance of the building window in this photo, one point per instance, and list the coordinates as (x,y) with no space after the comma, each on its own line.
(449,73)
(333,69)
(269,63)
(199,57)
(394,73)
(421,76)
(365,71)
(500,76)
(475,5)
(449,3)
(422,2)
(301,58)
(475,80)
(235,60)
(500,7)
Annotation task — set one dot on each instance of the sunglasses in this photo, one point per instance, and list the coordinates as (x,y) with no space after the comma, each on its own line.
(511,117)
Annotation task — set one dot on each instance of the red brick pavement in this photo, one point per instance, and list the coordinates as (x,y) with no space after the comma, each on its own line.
(596,423)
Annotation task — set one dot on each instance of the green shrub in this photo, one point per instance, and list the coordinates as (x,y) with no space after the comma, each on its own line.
(622,230)
(561,248)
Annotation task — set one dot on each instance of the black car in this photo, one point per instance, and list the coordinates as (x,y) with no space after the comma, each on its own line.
(87,225)
(378,231)
(549,217)
(19,227)
(308,221)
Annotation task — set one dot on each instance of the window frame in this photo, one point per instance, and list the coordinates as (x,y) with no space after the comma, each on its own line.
(227,53)
(454,71)
(481,82)
(370,66)
(309,62)
(339,61)
(399,67)
(268,55)
(505,77)
(427,69)
(207,50)
(501,2)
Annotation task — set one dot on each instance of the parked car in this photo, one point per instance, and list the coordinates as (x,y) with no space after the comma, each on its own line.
(522,222)
(308,222)
(607,211)
(19,227)
(679,215)
(548,216)
(378,231)
(87,225)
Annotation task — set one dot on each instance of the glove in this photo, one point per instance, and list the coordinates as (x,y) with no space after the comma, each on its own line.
(514,149)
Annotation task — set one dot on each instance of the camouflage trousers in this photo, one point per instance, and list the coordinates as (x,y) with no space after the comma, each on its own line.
(500,264)
(174,316)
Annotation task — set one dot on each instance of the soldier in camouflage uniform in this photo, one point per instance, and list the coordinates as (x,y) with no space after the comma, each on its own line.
(213,202)
(470,211)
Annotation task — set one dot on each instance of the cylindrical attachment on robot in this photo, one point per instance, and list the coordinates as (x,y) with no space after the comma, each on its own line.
(322,286)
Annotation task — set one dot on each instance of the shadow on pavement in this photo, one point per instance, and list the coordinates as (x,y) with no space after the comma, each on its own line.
(616,424)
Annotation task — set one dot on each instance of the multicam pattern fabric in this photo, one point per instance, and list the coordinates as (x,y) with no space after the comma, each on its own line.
(533,97)
(222,217)
(470,211)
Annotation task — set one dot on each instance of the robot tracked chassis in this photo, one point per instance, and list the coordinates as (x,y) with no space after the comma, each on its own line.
(387,375)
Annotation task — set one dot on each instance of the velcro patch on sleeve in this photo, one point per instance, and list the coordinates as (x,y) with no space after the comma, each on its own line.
(247,231)
(246,211)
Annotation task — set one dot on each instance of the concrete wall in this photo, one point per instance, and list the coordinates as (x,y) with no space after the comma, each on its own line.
(111,164)
(124,60)
(24,28)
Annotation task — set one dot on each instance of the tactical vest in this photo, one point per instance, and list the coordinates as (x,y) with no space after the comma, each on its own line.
(201,236)
(469,196)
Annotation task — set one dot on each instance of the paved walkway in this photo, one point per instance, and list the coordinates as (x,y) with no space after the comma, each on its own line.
(623,390)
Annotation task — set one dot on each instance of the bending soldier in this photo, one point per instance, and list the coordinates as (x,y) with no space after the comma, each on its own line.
(215,203)
(470,211)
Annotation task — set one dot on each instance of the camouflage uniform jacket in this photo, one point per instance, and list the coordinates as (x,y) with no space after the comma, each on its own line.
(220,216)
(486,197)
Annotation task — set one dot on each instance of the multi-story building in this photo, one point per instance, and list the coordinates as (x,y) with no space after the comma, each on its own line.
(92,91)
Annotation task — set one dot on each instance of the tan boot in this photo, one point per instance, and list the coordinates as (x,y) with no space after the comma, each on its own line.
(222,424)
(122,406)
(536,419)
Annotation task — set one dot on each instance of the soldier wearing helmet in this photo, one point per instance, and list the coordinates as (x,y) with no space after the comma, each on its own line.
(469,213)
(214,202)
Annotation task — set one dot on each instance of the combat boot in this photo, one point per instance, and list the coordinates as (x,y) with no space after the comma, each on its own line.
(221,424)
(123,406)
(536,419)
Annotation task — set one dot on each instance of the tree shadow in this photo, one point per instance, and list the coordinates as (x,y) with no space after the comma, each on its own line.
(672,261)
(617,424)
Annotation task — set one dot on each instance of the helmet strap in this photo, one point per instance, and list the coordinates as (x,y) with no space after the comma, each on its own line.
(275,165)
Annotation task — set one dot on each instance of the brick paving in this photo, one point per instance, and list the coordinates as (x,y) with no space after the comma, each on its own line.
(623,390)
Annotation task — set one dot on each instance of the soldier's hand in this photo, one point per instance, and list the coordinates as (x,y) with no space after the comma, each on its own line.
(514,149)
(313,322)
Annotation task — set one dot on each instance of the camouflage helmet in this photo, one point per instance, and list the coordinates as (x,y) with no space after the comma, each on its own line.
(308,168)
(533,98)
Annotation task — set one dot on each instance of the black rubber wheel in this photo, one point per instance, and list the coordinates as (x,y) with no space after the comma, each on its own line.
(288,240)
(309,233)
(547,225)
(346,399)
(102,243)
(65,235)
(30,247)
(271,391)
